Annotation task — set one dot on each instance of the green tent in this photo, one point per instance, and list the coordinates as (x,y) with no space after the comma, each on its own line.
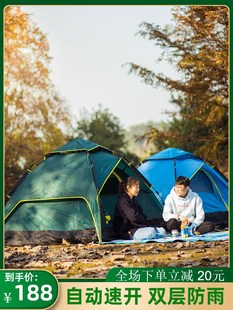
(69,195)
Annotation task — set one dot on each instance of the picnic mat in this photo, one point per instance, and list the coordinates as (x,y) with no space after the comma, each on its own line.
(212,236)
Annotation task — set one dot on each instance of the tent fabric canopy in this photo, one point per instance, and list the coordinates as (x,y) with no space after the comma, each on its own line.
(69,192)
(161,170)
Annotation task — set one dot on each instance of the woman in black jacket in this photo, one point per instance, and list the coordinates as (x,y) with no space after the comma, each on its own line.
(128,215)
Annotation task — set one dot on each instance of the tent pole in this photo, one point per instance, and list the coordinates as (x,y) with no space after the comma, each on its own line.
(175,167)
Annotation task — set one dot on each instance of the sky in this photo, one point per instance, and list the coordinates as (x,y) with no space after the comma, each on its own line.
(90,46)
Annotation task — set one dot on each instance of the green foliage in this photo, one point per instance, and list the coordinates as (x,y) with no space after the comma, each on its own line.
(34,113)
(102,127)
(198,47)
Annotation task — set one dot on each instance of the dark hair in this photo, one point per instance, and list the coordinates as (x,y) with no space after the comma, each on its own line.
(130,181)
(182,181)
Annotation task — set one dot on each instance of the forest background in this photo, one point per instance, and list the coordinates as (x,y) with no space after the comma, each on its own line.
(37,119)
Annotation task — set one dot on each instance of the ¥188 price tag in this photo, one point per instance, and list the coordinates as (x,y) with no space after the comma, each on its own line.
(33,292)
(27,289)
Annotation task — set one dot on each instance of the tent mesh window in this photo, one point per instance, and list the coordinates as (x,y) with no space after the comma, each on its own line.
(201,183)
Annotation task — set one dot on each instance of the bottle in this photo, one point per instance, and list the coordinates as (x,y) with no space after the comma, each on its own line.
(190,231)
(183,229)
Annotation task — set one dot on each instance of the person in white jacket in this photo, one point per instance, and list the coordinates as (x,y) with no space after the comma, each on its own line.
(184,206)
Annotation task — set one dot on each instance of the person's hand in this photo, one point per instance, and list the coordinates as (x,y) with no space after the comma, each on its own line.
(183,219)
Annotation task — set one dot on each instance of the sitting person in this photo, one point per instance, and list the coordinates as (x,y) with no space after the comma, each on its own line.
(184,206)
(129,215)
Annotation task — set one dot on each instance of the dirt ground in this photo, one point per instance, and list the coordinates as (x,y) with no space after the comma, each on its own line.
(93,261)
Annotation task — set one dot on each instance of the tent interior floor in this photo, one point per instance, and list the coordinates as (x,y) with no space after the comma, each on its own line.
(93,261)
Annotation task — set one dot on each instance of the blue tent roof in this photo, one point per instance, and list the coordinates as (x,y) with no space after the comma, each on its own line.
(171,153)
(161,170)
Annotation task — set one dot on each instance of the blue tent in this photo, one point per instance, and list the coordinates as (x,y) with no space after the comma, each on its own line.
(161,170)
